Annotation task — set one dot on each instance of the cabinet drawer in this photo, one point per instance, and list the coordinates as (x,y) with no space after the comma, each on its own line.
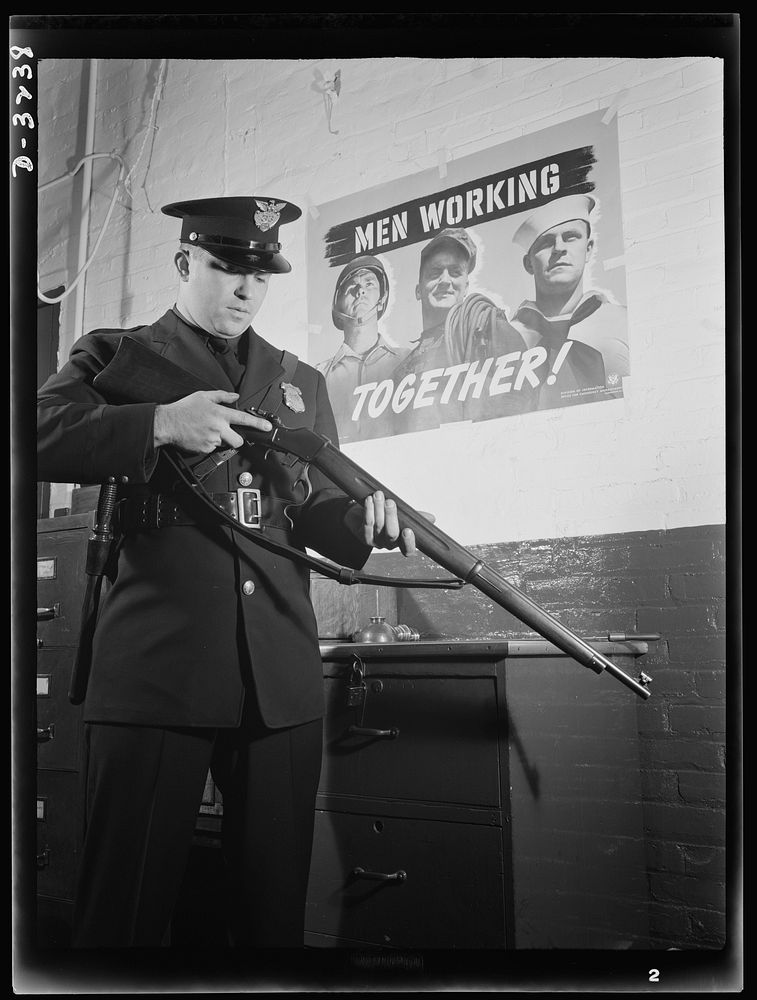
(59,832)
(436,740)
(453,895)
(61,581)
(59,723)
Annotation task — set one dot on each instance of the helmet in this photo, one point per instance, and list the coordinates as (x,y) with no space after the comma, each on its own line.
(365,263)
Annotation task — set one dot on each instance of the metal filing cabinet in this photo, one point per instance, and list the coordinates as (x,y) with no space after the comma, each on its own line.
(61,579)
(462,789)
(412,831)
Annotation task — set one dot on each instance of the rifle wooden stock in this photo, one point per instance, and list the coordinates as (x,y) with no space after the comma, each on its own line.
(126,380)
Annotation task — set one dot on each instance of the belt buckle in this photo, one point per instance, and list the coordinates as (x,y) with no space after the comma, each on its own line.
(249,507)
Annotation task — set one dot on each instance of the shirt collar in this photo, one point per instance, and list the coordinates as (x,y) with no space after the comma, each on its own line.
(528,305)
(208,339)
(345,351)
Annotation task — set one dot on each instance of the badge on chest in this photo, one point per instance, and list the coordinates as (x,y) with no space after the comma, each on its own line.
(293,397)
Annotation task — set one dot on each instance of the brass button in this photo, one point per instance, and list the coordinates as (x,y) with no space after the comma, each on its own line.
(244,478)
(248,587)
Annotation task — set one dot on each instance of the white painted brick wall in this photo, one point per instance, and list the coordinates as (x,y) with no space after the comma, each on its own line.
(653,460)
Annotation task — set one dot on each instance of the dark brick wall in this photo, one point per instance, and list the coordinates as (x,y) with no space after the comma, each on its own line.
(666,582)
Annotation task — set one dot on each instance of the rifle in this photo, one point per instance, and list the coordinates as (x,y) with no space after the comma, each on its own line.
(138,374)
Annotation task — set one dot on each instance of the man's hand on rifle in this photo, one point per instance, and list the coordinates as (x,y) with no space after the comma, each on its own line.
(379,525)
(200,423)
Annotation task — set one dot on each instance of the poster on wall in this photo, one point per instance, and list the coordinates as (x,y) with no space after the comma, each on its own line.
(490,286)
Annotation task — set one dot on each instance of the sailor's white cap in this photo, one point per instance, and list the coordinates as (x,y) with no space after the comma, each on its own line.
(573,206)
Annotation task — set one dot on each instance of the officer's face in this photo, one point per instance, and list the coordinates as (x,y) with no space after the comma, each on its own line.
(558,257)
(443,279)
(219,297)
(359,295)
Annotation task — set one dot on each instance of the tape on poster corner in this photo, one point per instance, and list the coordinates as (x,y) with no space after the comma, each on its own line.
(612,110)
(314,213)
(443,157)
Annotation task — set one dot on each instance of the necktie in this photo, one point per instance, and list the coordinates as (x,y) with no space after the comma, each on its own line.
(227,358)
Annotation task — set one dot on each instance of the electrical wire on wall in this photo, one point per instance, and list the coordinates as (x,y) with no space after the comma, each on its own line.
(83,270)
(121,180)
(150,125)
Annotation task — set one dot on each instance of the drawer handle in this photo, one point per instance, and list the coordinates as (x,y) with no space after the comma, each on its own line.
(399,876)
(43,859)
(45,735)
(380,734)
(45,614)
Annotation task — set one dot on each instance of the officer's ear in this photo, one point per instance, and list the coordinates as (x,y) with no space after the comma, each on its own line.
(527,263)
(181,262)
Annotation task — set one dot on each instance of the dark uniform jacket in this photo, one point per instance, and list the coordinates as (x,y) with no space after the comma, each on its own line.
(196,614)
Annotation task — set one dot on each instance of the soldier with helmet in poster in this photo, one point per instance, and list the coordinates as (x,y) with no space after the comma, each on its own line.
(361,295)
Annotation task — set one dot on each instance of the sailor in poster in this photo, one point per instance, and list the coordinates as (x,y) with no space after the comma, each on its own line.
(558,242)
(572,355)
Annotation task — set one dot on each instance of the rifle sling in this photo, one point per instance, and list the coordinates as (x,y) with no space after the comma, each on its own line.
(342,574)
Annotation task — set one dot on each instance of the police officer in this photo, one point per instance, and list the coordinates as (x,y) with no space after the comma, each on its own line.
(365,356)
(205,653)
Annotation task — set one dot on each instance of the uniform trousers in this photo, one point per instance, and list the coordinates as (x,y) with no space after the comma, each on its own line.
(144,786)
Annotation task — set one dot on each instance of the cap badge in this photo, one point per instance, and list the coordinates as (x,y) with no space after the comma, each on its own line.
(293,397)
(269,214)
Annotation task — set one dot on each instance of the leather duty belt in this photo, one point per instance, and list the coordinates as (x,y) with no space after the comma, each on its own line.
(162,510)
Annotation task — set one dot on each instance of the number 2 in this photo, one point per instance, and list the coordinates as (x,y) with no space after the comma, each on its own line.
(654,975)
